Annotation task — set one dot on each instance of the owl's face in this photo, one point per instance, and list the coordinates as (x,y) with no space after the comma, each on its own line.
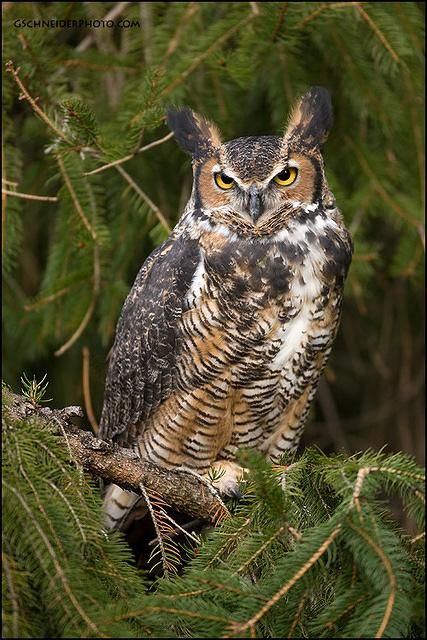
(257,177)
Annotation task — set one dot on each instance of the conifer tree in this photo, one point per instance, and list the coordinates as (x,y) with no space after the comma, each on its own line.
(92,182)
(310,551)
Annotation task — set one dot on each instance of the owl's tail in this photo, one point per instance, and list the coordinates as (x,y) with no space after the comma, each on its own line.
(122,507)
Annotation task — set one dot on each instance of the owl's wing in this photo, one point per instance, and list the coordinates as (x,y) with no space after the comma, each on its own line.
(143,358)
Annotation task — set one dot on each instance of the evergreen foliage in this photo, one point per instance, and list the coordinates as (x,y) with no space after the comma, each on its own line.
(314,559)
(310,551)
(60,568)
(69,263)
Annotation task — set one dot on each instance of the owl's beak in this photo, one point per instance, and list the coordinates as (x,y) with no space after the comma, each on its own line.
(256,205)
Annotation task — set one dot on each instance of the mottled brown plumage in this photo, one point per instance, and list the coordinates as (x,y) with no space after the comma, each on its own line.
(227,329)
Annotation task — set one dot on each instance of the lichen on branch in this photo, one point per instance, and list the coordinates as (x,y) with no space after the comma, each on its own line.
(181,490)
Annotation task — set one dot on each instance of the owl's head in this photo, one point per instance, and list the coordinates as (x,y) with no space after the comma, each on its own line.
(256,177)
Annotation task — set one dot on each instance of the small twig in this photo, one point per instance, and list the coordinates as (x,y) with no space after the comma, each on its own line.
(130,156)
(109,165)
(70,507)
(165,562)
(96,262)
(182,529)
(331,623)
(3,202)
(24,94)
(111,15)
(378,33)
(146,14)
(82,326)
(392,578)
(64,433)
(255,8)
(40,505)
(191,10)
(29,196)
(47,299)
(74,62)
(144,196)
(233,537)
(156,142)
(180,612)
(250,624)
(86,391)
(323,7)
(74,198)
(365,471)
(283,11)
(260,550)
(418,537)
(297,617)
(296,534)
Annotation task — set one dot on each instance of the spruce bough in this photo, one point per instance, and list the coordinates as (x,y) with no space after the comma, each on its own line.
(91,185)
(312,550)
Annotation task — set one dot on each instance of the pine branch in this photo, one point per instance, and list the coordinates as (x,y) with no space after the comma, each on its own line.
(86,390)
(378,186)
(203,56)
(181,490)
(145,197)
(155,143)
(329,6)
(250,624)
(88,315)
(391,577)
(28,196)
(192,9)
(378,33)
(25,95)
(59,571)
(47,299)
(96,261)
(75,199)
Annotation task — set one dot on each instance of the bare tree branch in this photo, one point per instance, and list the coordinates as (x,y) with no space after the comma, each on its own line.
(111,15)
(179,489)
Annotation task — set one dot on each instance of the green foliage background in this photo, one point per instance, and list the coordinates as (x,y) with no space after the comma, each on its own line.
(314,555)
(68,264)
(84,98)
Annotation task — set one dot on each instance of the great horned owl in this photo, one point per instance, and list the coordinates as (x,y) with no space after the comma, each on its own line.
(229,324)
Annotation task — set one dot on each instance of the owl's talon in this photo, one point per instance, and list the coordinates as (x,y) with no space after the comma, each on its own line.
(229,477)
(234,492)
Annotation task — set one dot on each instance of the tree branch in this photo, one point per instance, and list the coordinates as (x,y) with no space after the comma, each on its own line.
(179,489)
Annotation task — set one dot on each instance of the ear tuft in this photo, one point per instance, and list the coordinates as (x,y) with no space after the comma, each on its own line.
(193,132)
(311,119)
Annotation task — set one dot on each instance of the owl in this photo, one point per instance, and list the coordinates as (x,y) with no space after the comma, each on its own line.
(229,324)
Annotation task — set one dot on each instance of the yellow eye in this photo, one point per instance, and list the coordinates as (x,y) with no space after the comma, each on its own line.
(286,177)
(223,181)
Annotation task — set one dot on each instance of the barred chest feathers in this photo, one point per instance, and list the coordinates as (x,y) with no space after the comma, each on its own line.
(291,280)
